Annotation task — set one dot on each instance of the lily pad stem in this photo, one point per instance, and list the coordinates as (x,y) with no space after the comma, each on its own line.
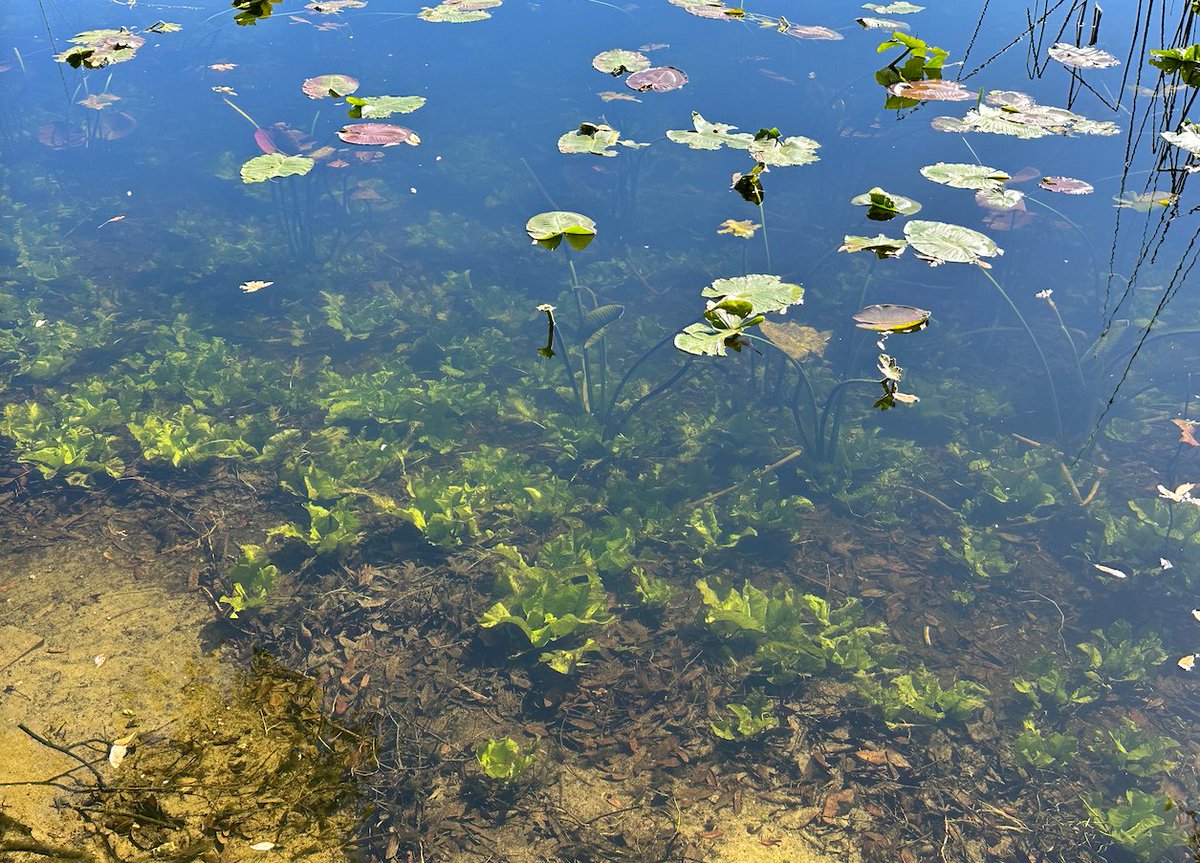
(585,391)
(1036,345)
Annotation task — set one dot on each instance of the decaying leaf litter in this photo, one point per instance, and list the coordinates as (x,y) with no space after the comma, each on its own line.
(835,764)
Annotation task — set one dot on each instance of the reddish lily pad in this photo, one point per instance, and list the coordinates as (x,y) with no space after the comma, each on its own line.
(324,86)
(933,90)
(59,135)
(378,135)
(660,79)
(1066,186)
(705,9)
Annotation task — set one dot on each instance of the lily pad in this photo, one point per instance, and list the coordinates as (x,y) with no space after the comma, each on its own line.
(1082,58)
(931,90)
(1009,112)
(378,135)
(710,136)
(883,247)
(458,11)
(333,7)
(324,86)
(378,107)
(660,79)
(1144,202)
(796,340)
(618,62)
(270,166)
(548,229)
(962,175)
(885,205)
(891,318)
(942,242)
(1187,138)
(1066,186)
(811,31)
(613,96)
(705,9)
(765,293)
(596,139)
(95,49)
(999,199)
(868,23)
(782,152)
(899,8)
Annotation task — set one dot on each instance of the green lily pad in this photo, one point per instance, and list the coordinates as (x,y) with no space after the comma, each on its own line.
(964,176)
(1000,199)
(885,205)
(269,166)
(765,293)
(618,62)
(1182,61)
(941,242)
(378,107)
(781,152)
(325,86)
(548,229)
(595,138)
(710,136)
(458,11)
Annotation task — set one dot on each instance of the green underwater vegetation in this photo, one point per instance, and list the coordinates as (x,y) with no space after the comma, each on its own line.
(648,487)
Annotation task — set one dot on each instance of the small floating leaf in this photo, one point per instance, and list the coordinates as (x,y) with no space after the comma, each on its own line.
(612,96)
(378,135)
(811,31)
(548,229)
(744,228)
(891,318)
(964,176)
(1082,58)
(885,205)
(941,242)
(98,101)
(269,166)
(333,7)
(323,86)
(660,79)
(883,247)
(378,107)
(164,27)
(705,9)
(619,62)
(1108,570)
(594,138)
(1066,186)
(710,136)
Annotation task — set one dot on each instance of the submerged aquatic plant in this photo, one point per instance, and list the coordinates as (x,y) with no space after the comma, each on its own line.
(504,760)
(1141,823)
(1043,751)
(330,531)
(251,580)
(1116,657)
(60,446)
(750,718)
(1130,748)
(918,694)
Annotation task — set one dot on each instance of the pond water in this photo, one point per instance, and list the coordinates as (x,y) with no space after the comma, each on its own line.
(646,505)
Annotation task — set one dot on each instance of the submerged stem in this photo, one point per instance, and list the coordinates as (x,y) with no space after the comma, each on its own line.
(1045,365)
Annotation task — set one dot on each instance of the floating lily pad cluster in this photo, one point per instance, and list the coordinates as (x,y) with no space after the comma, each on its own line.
(1008,112)
(734,307)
